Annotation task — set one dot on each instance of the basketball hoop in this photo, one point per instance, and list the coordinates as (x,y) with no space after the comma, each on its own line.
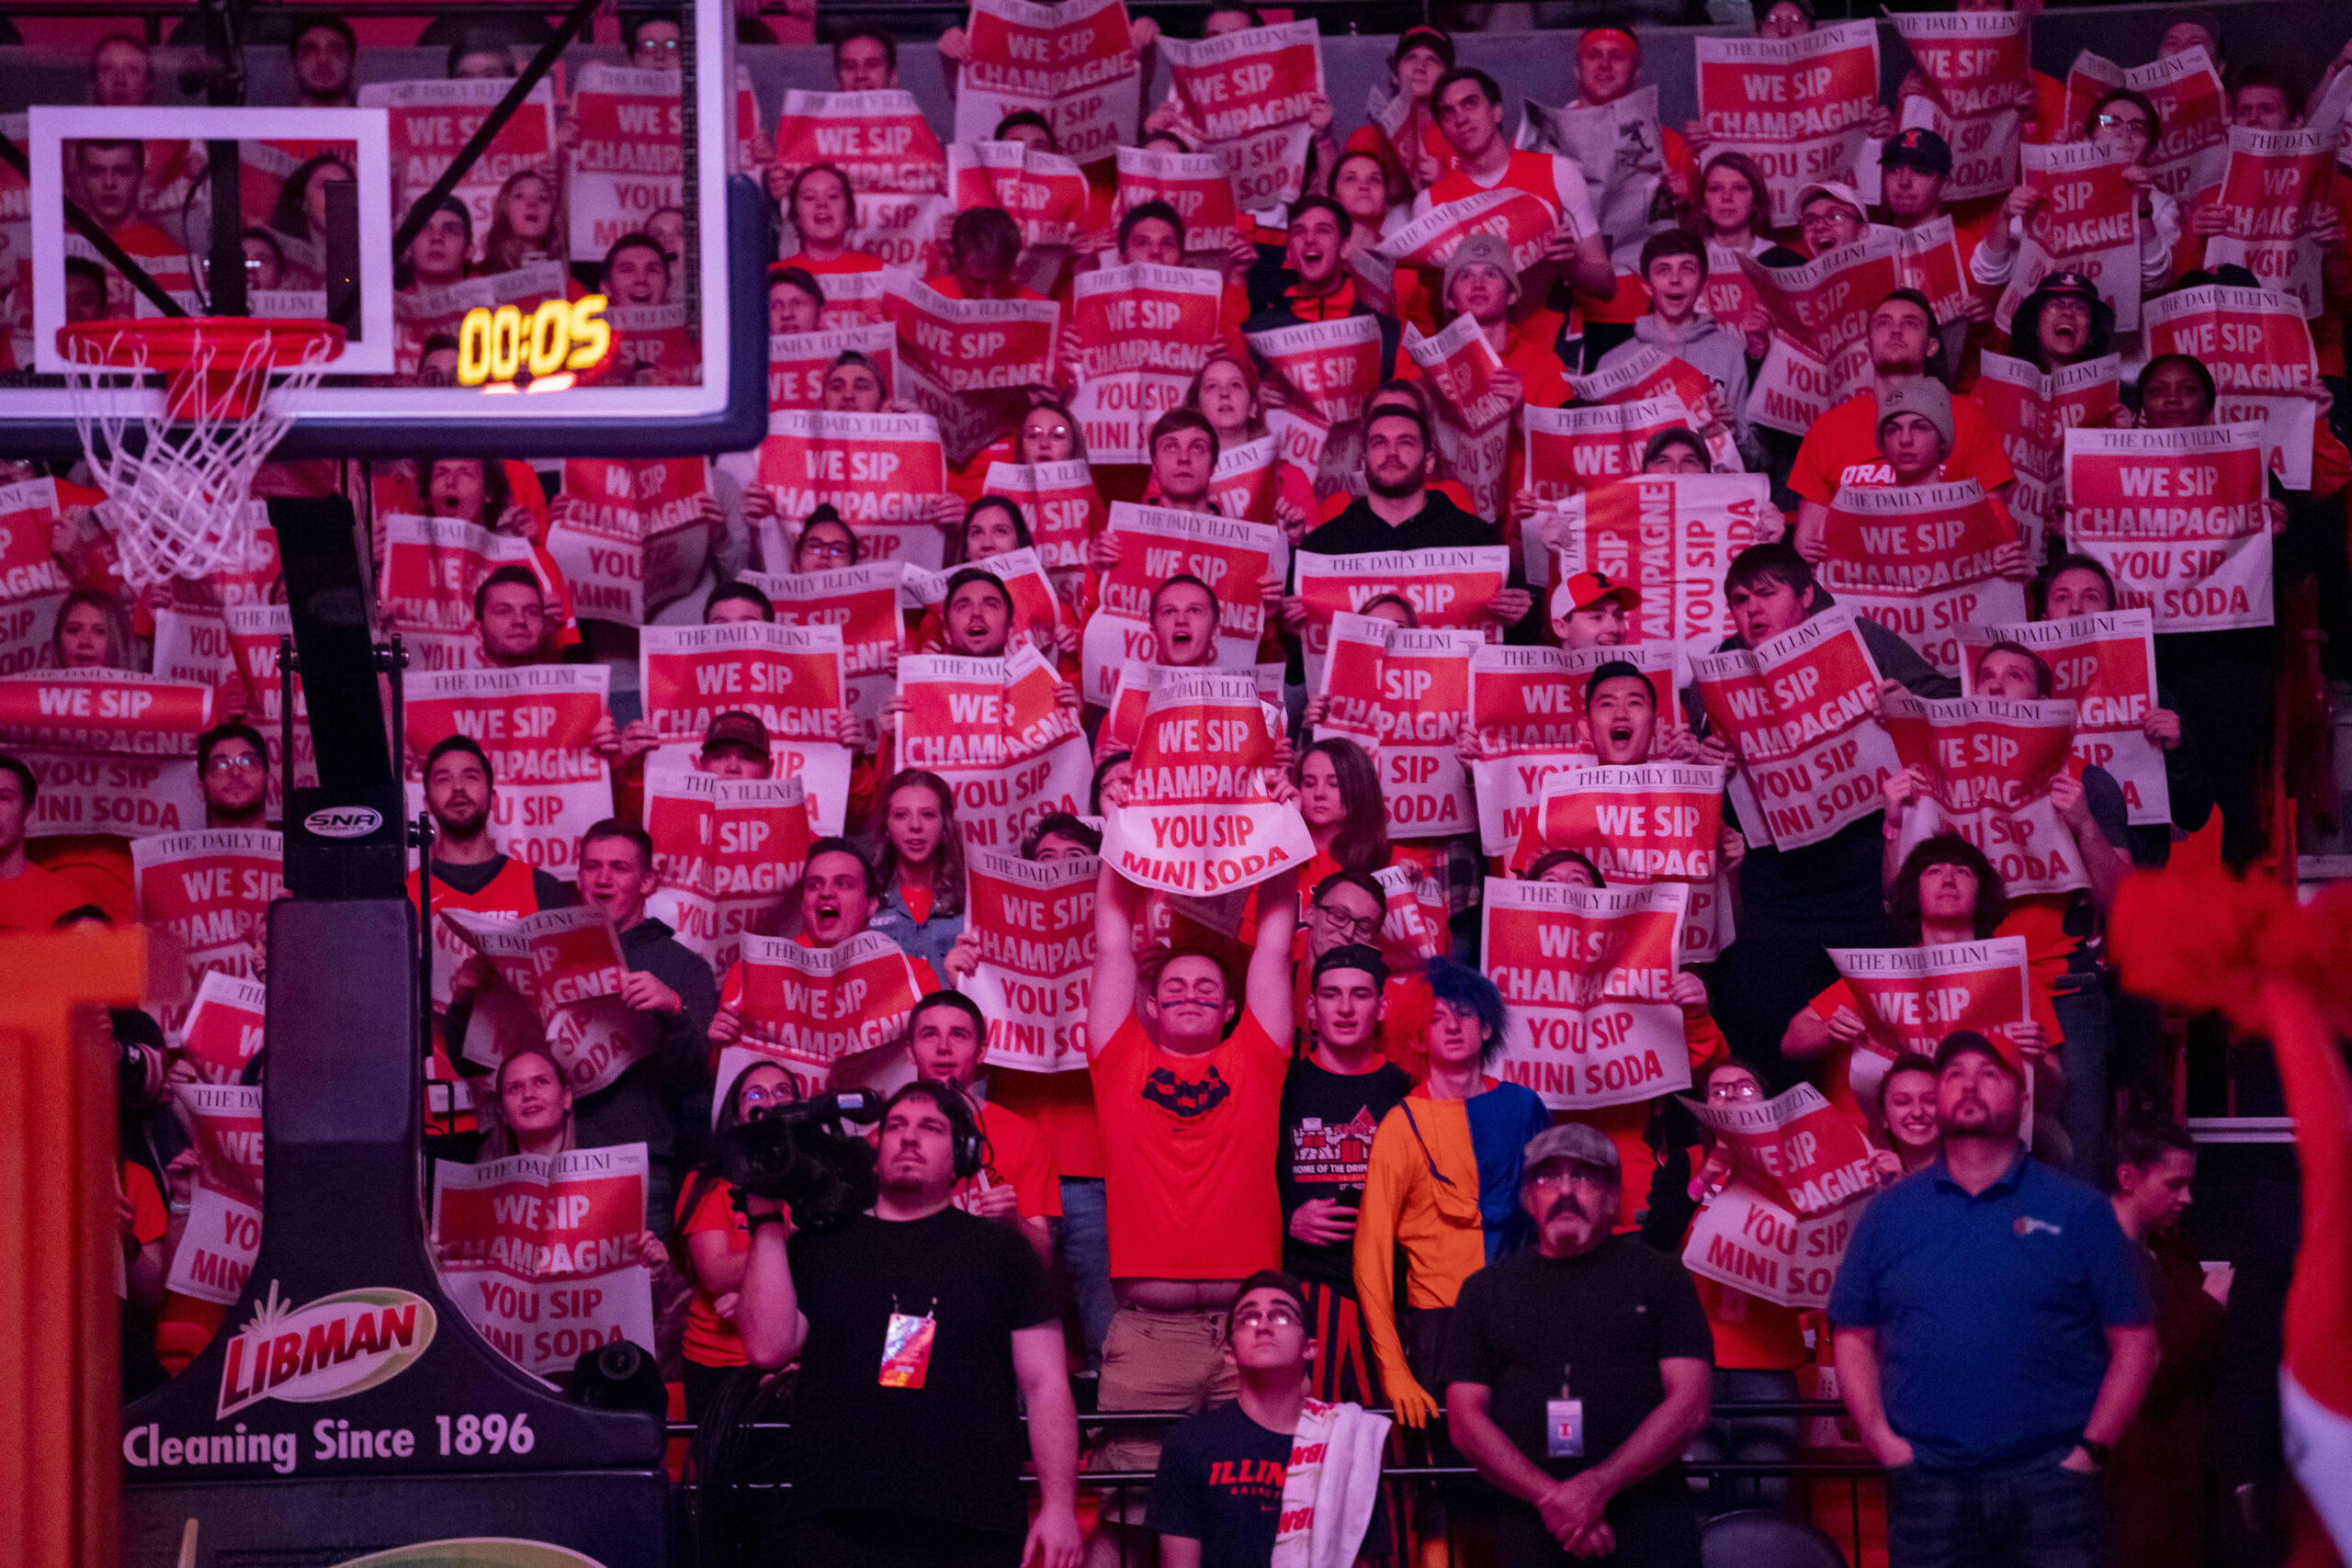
(177,491)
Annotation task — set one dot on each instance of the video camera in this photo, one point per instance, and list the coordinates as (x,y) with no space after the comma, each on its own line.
(802,1154)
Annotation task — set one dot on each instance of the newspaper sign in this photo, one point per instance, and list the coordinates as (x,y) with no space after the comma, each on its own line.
(1910,998)
(1668,538)
(631,536)
(878,139)
(881,471)
(1250,92)
(2177,517)
(565,967)
(224,1025)
(2266,370)
(1621,152)
(542,1253)
(1447,589)
(1974,63)
(2192,114)
(2274,190)
(1331,368)
(2031,413)
(1074,64)
(32,584)
(788,677)
(629,162)
(1587,974)
(535,722)
(114,751)
(1157,543)
(1200,815)
(1063,507)
(799,362)
(810,1007)
(1035,922)
(426,122)
(1196,184)
(729,852)
(1143,332)
(996,731)
(1593,446)
(1800,711)
(1797,106)
(2105,665)
(211,890)
(1779,1228)
(2087,221)
(1647,822)
(1403,692)
(1922,560)
(1989,764)
(223,1235)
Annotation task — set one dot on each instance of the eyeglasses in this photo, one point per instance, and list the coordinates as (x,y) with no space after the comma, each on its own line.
(825,549)
(240,763)
(1350,925)
(2126,121)
(1741,1089)
(780,1095)
(1267,1318)
(1575,1174)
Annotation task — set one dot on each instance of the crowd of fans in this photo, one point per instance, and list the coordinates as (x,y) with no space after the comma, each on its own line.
(1295,1164)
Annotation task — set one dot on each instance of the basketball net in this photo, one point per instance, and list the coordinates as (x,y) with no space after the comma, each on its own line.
(177,477)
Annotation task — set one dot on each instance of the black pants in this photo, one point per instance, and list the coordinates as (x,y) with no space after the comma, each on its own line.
(893,1540)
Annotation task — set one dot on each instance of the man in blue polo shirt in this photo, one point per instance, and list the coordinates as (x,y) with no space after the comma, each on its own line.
(1994,1338)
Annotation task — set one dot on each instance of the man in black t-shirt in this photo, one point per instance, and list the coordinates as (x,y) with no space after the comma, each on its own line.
(920,1331)
(1217,1501)
(1332,1104)
(1577,1373)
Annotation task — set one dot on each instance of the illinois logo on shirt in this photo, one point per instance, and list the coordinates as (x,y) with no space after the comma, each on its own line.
(1186,1098)
(2025,1224)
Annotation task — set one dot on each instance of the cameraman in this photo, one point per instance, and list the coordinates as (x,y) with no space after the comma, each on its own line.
(920,1331)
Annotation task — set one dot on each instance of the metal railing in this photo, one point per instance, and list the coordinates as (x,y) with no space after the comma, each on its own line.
(1463,1502)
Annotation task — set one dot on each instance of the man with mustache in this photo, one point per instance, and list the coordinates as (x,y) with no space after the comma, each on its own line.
(1577,1372)
(1994,1337)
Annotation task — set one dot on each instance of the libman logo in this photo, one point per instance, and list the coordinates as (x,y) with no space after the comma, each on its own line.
(336,1346)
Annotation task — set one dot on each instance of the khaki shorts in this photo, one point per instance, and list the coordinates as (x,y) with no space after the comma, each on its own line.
(1157,1360)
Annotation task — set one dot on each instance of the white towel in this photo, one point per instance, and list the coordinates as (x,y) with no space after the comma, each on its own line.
(1330,1486)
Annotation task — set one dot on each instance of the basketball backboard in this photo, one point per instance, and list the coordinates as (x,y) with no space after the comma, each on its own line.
(528,313)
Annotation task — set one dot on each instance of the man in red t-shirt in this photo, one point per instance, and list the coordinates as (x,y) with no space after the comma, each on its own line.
(1190,1118)
(32,898)
(1017,1182)
(1841,448)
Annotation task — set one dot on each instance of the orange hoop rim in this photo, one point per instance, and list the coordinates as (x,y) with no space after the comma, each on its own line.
(203,359)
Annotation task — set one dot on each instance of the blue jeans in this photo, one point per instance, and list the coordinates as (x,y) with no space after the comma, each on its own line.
(1084,1241)
(2049,1517)
(2089,1028)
